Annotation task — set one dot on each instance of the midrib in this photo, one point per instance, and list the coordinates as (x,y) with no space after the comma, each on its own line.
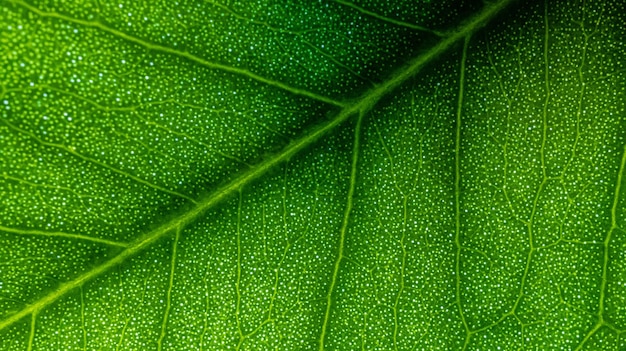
(361,106)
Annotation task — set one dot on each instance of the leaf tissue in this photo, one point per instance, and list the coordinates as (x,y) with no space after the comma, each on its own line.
(312,175)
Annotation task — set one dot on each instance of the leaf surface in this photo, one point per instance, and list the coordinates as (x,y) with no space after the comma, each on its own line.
(325,175)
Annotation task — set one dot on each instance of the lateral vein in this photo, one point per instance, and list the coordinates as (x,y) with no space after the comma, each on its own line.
(605,251)
(389,19)
(36,232)
(72,151)
(185,54)
(344,229)
(238,275)
(168,300)
(457,193)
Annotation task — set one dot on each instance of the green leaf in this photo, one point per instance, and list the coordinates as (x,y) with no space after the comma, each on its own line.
(328,175)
